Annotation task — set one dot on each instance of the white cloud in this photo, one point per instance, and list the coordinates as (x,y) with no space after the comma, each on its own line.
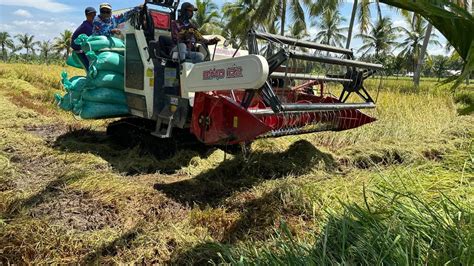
(23,13)
(41,29)
(46,5)
(312,31)
(5,27)
(437,50)
(401,23)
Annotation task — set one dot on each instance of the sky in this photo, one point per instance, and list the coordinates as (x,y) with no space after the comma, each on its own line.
(46,19)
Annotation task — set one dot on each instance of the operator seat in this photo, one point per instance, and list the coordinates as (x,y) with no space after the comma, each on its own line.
(161,49)
(166,45)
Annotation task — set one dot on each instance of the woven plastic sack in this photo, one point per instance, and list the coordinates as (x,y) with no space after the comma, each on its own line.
(105,61)
(93,110)
(76,83)
(98,42)
(104,95)
(64,102)
(74,61)
(108,79)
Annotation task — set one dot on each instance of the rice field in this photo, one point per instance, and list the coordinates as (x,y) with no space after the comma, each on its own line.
(397,191)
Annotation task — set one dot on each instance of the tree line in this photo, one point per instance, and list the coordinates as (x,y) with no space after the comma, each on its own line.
(48,51)
(397,47)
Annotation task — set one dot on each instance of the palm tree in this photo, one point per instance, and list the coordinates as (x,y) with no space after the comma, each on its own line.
(414,37)
(26,42)
(5,41)
(361,9)
(440,65)
(207,17)
(45,48)
(419,65)
(13,49)
(240,16)
(296,11)
(63,43)
(397,64)
(380,39)
(297,30)
(331,33)
(449,19)
(465,4)
(245,14)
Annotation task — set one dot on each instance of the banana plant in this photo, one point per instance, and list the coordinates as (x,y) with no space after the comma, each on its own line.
(454,22)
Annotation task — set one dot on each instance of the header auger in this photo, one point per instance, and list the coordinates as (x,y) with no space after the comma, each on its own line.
(235,95)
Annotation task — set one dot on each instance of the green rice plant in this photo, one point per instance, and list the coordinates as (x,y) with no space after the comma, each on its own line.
(400,117)
(465,98)
(389,228)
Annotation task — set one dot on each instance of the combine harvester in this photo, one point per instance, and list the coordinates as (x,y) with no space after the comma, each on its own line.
(237,96)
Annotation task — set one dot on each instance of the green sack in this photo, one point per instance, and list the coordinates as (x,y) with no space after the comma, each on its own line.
(105,61)
(65,102)
(69,100)
(108,79)
(98,42)
(76,83)
(104,95)
(74,61)
(93,110)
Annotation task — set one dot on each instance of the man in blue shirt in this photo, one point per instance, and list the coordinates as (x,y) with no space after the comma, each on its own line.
(106,23)
(84,28)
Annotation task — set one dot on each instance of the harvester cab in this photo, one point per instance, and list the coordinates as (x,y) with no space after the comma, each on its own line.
(235,95)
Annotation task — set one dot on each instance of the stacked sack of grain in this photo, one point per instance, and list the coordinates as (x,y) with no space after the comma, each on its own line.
(100,94)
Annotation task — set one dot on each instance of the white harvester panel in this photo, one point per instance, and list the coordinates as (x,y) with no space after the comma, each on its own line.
(139,79)
(245,72)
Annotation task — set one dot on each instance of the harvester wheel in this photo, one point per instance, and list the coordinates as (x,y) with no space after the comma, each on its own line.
(132,131)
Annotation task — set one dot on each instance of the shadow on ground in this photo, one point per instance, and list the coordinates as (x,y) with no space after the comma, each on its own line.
(52,190)
(210,187)
(113,247)
(142,155)
(466,100)
(259,219)
(467,110)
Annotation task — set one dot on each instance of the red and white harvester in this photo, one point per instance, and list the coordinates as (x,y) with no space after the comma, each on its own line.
(236,95)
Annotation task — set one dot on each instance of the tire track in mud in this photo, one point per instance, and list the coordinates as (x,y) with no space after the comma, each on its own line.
(43,174)
(38,173)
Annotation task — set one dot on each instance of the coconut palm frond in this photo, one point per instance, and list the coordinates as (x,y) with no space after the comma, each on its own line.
(452,20)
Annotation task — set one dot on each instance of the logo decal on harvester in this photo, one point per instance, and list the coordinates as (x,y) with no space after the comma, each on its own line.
(234,72)
(213,74)
(221,73)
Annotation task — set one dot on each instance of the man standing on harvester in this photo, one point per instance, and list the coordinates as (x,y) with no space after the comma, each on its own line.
(106,23)
(84,28)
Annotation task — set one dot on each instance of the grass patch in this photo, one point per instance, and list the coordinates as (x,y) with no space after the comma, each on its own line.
(396,228)
(465,98)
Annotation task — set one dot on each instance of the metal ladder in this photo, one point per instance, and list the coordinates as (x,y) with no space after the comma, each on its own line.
(165,118)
